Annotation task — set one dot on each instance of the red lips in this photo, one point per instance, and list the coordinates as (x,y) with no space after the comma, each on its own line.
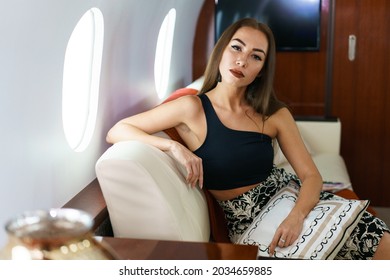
(237,73)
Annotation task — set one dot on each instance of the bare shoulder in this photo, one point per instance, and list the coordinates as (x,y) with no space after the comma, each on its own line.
(191,100)
(190,104)
(282,114)
(282,120)
(191,124)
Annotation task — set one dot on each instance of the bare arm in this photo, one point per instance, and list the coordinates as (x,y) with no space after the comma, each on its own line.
(182,112)
(295,151)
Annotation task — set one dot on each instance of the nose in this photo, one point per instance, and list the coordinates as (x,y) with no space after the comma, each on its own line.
(241,61)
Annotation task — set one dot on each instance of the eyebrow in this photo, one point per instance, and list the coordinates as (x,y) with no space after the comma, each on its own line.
(242,42)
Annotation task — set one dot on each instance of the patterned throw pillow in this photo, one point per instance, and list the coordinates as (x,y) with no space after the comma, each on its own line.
(325,229)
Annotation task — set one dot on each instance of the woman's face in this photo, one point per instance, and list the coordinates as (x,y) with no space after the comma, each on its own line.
(243,57)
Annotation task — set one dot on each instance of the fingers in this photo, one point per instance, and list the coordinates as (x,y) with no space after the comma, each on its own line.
(280,240)
(192,163)
(273,244)
(281,243)
(201,176)
(195,172)
(287,233)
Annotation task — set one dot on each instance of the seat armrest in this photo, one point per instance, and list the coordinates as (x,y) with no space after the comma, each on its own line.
(147,195)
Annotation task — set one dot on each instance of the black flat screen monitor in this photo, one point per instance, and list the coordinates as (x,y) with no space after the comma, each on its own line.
(295,23)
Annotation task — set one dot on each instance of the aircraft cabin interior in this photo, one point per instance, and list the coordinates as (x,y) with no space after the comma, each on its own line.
(71,69)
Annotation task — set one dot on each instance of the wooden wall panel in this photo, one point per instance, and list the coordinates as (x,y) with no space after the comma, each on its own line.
(361,95)
(300,78)
(204,39)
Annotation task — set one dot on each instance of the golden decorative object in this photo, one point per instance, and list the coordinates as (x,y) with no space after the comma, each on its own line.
(55,234)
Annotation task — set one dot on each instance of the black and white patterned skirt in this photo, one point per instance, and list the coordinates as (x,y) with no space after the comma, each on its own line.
(241,211)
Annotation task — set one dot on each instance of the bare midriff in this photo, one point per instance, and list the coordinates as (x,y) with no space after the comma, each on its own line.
(232,193)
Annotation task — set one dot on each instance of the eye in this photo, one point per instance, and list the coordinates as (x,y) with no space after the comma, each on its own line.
(236,47)
(257,57)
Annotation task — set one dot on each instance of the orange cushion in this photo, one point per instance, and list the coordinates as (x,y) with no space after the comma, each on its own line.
(181,92)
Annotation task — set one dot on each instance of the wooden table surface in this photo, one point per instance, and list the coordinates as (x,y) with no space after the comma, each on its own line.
(143,249)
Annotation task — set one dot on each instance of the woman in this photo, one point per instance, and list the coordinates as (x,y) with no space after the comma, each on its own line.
(228,130)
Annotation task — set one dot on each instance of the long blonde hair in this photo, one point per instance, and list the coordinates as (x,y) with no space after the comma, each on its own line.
(260,93)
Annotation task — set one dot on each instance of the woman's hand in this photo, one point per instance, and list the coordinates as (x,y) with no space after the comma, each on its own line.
(191,162)
(287,232)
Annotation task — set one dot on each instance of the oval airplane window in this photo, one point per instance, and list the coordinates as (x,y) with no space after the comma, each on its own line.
(162,63)
(81,79)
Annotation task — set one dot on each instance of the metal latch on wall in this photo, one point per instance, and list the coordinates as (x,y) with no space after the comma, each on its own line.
(351,47)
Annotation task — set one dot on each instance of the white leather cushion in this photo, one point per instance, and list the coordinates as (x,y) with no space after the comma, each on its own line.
(280,158)
(147,196)
(331,167)
(325,229)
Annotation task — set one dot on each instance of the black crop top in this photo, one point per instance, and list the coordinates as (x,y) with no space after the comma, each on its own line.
(232,158)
